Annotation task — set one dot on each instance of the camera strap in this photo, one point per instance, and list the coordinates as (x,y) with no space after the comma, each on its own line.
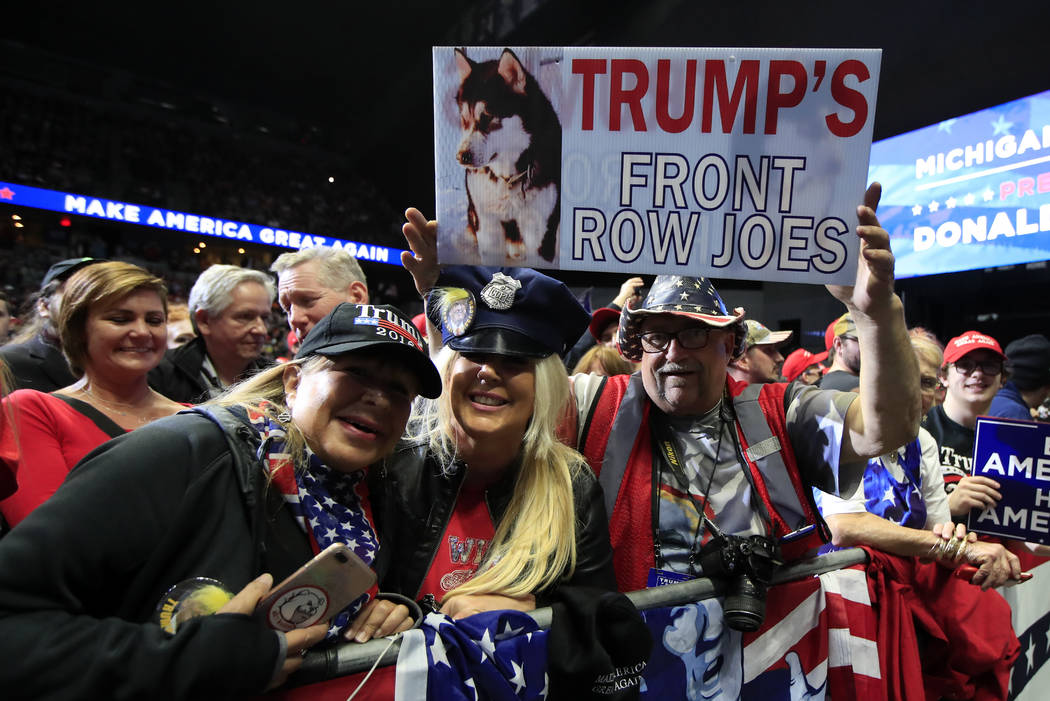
(666,453)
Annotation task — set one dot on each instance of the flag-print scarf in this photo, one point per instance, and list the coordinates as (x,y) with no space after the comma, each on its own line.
(325,503)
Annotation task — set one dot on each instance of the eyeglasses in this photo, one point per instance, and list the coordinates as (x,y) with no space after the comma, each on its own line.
(988,367)
(929,383)
(691,337)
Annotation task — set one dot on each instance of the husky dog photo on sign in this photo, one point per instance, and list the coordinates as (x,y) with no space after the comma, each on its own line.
(510,153)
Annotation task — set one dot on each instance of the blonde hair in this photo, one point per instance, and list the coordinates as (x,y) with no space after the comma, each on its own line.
(535,541)
(99,284)
(927,350)
(608,360)
(264,393)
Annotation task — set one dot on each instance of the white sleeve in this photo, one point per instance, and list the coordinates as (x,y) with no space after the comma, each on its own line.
(831,505)
(585,390)
(933,493)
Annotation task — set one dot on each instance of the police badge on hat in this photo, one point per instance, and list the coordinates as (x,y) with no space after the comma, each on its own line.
(499,293)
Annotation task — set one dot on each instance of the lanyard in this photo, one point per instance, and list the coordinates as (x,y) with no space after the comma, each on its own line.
(667,454)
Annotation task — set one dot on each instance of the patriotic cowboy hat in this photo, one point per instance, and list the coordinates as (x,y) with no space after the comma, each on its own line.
(693,297)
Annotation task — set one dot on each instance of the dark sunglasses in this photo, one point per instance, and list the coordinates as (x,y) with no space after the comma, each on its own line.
(988,367)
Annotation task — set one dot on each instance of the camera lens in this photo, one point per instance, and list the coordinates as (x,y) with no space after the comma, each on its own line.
(341,558)
(745,605)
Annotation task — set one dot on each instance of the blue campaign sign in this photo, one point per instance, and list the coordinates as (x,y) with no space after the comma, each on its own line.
(194,224)
(970,192)
(1016,454)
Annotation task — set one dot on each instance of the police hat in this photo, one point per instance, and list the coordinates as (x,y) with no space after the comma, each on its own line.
(505,311)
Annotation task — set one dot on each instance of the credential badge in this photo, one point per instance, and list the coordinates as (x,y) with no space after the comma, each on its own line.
(499,293)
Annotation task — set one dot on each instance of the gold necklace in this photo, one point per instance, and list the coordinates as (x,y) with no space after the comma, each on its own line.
(115,406)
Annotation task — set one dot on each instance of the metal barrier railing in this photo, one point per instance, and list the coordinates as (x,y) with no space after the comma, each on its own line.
(351,658)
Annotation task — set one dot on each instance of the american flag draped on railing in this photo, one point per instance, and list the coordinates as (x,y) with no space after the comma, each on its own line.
(818,638)
(849,633)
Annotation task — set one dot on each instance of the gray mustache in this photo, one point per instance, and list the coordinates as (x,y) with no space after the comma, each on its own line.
(671,368)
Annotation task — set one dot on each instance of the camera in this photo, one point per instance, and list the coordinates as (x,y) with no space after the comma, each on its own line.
(747,565)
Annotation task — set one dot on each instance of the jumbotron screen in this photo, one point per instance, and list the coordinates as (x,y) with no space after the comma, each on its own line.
(970,192)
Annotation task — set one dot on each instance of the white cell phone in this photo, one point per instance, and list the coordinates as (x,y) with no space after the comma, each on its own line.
(318,590)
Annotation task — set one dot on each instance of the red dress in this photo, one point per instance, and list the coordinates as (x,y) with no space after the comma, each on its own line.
(50,437)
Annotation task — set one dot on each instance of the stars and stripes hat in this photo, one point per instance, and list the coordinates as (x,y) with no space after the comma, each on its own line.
(353,327)
(693,297)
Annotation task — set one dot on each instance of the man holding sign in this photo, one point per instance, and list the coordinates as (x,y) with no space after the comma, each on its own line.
(972,374)
(734,162)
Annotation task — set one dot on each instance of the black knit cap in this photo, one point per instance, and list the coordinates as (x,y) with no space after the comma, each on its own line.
(354,327)
(598,646)
(1028,360)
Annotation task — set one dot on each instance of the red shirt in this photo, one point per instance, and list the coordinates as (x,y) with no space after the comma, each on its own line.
(51,437)
(463,545)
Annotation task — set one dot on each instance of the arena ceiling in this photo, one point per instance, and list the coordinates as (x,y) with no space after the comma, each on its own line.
(364,67)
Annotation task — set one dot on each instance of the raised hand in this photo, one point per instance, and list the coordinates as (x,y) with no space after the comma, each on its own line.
(873,286)
(422,258)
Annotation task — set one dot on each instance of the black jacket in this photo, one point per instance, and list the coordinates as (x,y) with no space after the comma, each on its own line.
(178,377)
(81,577)
(36,364)
(412,501)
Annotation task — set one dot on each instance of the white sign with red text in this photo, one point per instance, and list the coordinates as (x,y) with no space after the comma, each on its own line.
(739,163)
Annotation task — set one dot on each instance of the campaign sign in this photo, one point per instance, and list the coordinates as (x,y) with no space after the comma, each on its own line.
(970,192)
(741,163)
(1016,454)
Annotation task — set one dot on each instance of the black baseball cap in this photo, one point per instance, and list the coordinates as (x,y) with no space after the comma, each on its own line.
(64,268)
(353,327)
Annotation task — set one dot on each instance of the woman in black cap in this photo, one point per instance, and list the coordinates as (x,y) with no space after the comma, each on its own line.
(255,482)
(490,509)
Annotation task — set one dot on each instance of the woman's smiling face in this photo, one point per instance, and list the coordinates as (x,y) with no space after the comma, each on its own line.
(126,337)
(353,409)
(493,396)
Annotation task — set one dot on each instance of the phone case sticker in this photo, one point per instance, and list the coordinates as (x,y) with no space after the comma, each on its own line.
(298,608)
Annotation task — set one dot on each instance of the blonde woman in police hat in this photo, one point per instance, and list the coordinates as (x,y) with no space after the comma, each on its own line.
(232,495)
(491,510)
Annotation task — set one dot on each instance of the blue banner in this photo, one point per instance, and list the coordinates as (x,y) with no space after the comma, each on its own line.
(193,224)
(968,193)
(1016,454)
